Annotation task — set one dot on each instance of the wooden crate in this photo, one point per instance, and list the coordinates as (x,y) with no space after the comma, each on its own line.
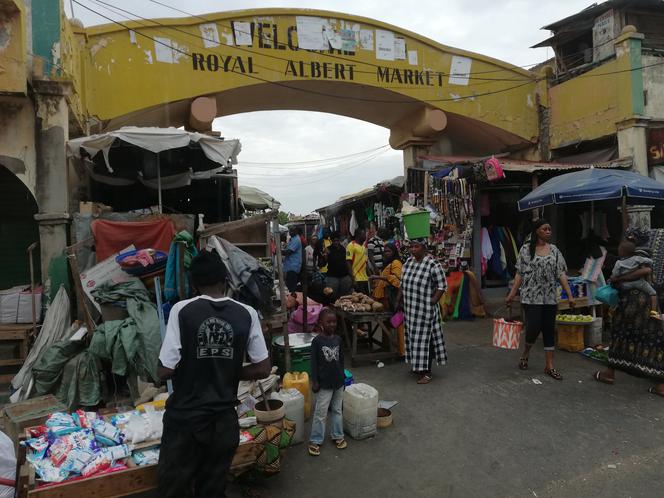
(20,334)
(570,336)
(29,413)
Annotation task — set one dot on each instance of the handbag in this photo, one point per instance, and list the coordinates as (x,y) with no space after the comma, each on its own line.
(506,332)
(397,319)
(607,294)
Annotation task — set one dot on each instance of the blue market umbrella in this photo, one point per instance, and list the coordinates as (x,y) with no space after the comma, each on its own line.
(593,184)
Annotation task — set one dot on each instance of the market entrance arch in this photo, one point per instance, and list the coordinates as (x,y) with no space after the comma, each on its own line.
(148,72)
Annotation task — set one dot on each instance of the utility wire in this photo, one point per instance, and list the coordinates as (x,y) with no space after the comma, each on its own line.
(316,162)
(126,13)
(313,92)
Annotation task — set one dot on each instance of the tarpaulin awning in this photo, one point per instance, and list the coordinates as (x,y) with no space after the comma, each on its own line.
(394,184)
(523,166)
(593,185)
(215,155)
(253,198)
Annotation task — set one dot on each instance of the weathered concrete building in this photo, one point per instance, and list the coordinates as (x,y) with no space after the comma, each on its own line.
(61,81)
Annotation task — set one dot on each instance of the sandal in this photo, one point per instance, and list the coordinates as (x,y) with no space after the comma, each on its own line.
(654,315)
(600,378)
(314,449)
(523,363)
(341,444)
(653,390)
(553,373)
(424,379)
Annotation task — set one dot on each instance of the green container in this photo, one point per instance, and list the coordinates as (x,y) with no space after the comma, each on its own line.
(300,352)
(417,224)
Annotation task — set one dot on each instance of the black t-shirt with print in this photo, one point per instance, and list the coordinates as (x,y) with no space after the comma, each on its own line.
(214,336)
(327,361)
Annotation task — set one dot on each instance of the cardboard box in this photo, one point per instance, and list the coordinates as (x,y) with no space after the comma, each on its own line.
(94,208)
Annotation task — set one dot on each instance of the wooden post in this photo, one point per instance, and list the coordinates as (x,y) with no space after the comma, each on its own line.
(305,289)
(535,184)
(32,286)
(279,265)
(625,218)
(80,294)
(182,274)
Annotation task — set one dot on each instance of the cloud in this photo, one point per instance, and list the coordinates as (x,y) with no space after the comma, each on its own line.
(503,30)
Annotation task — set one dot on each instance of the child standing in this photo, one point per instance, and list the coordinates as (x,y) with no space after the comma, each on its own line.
(327,378)
(630,261)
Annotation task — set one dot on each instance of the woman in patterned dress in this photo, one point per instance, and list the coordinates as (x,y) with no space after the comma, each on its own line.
(540,266)
(422,285)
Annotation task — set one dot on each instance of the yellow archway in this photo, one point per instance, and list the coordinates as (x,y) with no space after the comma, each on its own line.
(147,72)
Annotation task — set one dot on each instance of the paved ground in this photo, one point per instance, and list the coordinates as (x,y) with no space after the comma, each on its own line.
(483,428)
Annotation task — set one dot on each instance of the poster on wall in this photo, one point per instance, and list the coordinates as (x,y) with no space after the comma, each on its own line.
(310,34)
(603,36)
(460,70)
(366,39)
(209,34)
(242,32)
(384,45)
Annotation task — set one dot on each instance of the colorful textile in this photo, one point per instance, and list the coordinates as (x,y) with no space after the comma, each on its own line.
(657,252)
(173,271)
(592,268)
(111,237)
(272,440)
(637,341)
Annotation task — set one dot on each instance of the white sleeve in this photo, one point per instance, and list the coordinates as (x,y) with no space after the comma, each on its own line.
(172,345)
(256,348)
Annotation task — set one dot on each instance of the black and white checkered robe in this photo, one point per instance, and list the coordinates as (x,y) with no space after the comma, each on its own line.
(419,281)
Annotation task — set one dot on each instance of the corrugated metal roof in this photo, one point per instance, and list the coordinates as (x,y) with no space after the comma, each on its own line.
(523,166)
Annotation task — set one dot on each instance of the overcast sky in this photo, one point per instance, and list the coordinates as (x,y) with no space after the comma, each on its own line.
(501,29)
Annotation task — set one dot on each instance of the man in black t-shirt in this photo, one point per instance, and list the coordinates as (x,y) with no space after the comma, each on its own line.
(207,339)
(337,276)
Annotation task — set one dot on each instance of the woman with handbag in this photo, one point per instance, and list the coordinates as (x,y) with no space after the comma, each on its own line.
(540,266)
(386,287)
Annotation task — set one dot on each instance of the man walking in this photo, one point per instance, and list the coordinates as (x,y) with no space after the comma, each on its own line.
(356,258)
(375,248)
(293,259)
(206,342)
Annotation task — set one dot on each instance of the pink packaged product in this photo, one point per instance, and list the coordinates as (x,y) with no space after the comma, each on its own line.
(99,463)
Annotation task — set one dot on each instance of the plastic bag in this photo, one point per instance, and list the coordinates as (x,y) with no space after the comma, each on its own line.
(106,433)
(607,294)
(146,457)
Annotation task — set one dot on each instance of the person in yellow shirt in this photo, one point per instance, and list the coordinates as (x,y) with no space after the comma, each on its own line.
(385,288)
(322,247)
(356,258)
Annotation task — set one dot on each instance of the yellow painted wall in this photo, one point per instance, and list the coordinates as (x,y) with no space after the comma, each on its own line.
(127,71)
(589,106)
(12,47)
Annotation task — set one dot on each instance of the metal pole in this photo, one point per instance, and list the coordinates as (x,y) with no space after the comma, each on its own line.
(162,322)
(282,290)
(32,286)
(159,183)
(625,219)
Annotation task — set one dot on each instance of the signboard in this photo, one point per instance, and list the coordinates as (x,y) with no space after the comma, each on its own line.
(603,36)
(656,146)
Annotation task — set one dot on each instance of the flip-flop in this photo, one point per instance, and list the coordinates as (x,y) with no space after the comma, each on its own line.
(654,391)
(598,377)
(523,363)
(314,450)
(553,373)
(424,379)
(341,444)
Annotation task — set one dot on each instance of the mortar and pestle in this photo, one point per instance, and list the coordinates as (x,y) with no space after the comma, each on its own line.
(268,411)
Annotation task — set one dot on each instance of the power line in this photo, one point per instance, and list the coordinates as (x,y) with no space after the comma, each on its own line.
(314,92)
(320,162)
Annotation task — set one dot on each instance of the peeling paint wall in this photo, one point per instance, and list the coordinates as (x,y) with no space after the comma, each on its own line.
(589,106)
(653,82)
(12,49)
(131,70)
(17,139)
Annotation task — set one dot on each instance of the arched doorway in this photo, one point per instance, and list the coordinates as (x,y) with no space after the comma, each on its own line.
(18,229)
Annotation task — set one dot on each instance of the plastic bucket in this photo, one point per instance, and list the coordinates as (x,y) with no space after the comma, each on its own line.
(417,224)
(300,348)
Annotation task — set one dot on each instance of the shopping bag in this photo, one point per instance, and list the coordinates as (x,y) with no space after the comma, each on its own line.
(608,295)
(494,171)
(507,332)
(397,319)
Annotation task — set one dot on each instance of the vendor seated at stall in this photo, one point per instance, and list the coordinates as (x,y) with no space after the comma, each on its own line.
(207,339)
(338,277)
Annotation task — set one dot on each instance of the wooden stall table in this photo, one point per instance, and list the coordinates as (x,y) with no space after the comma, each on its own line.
(377,321)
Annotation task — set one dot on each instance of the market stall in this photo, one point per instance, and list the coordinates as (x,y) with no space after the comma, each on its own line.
(357,310)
